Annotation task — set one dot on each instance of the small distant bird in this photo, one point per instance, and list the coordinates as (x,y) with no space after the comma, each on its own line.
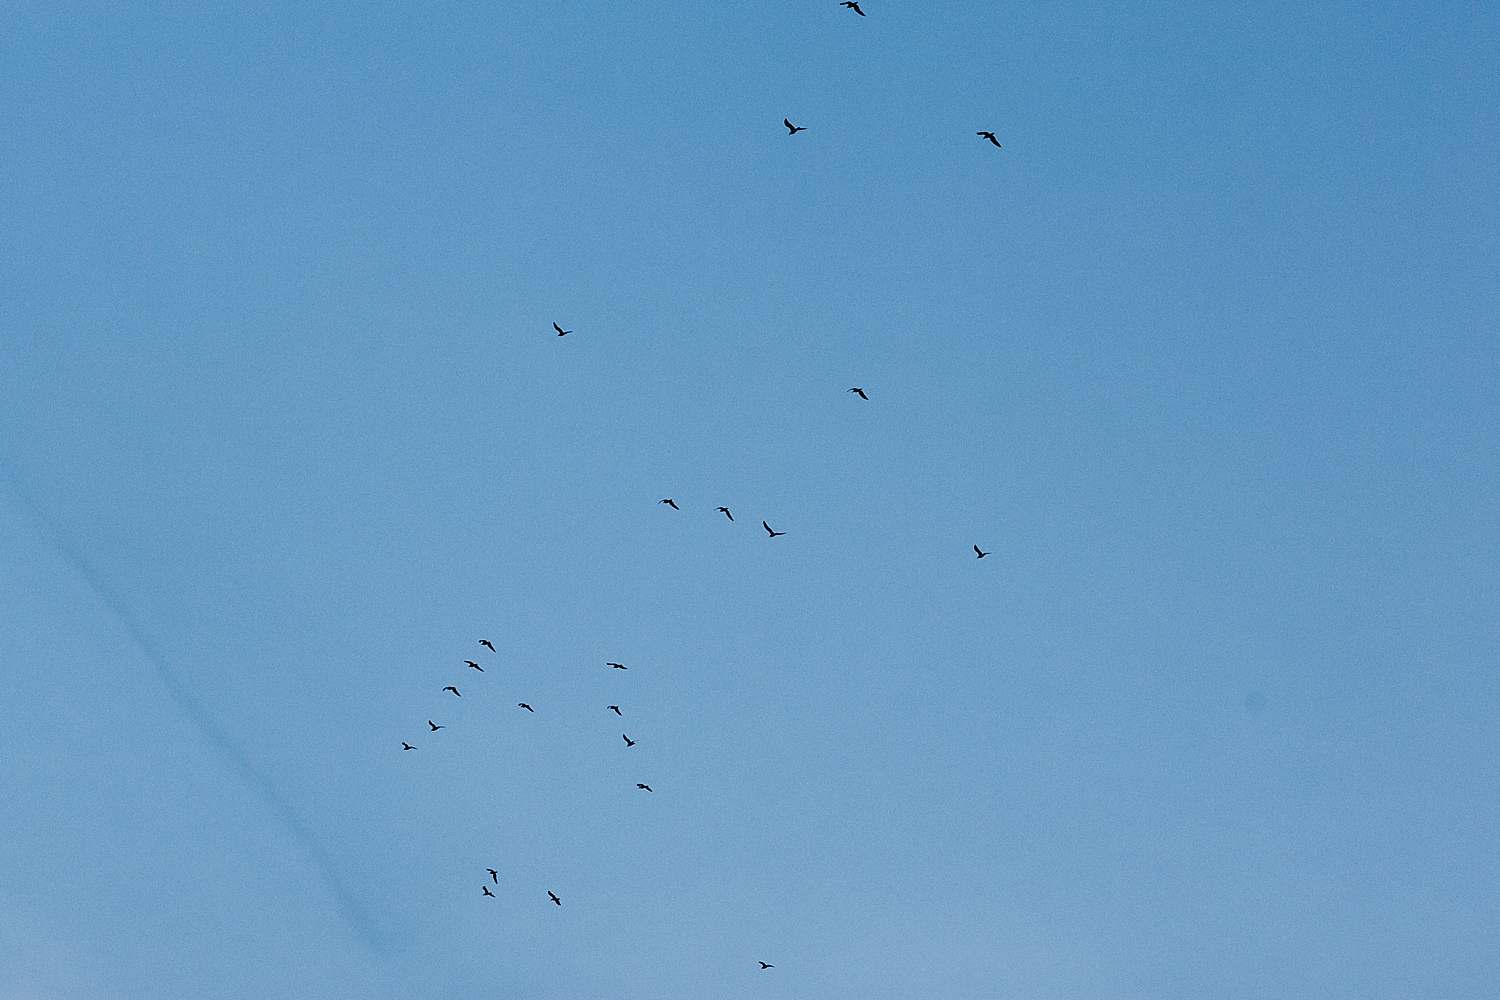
(487,890)
(646,787)
(861,393)
(435,726)
(617,666)
(773,534)
(991,137)
(979,553)
(671,504)
(853,6)
(450,687)
(767,965)
(793,129)
(494,875)
(486,642)
(615,709)
(406,746)
(725,512)
(560,331)
(628,741)
(475,665)
(554,897)
(522,704)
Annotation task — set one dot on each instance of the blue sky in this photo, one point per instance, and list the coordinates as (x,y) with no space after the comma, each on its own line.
(1205,355)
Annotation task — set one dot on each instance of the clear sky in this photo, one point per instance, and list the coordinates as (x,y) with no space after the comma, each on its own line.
(1205,356)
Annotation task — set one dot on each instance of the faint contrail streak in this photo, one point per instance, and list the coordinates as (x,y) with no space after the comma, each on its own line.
(204,722)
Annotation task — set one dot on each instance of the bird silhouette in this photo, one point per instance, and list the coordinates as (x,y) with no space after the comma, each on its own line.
(615,709)
(793,129)
(725,511)
(773,534)
(554,897)
(475,665)
(853,6)
(406,746)
(560,331)
(450,687)
(487,890)
(980,553)
(522,704)
(628,741)
(671,504)
(486,642)
(494,875)
(861,393)
(991,137)
(767,965)
(617,666)
(435,726)
(646,787)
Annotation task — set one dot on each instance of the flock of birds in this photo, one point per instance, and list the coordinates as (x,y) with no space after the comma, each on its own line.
(433,727)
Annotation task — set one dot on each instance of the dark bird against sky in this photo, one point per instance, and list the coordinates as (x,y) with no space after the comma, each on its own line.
(450,687)
(628,741)
(554,898)
(767,965)
(407,746)
(560,331)
(486,642)
(852,5)
(616,709)
(617,666)
(522,704)
(475,665)
(669,503)
(435,726)
(991,137)
(494,875)
(725,512)
(773,534)
(487,890)
(646,787)
(861,393)
(981,554)
(793,129)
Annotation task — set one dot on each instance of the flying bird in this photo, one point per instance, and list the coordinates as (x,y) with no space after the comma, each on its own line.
(435,726)
(861,393)
(486,642)
(617,666)
(671,504)
(646,787)
(615,709)
(406,746)
(487,890)
(773,534)
(793,129)
(725,512)
(991,137)
(767,965)
(628,741)
(853,6)
(475,665)
(522,704)
(450,687)
(979,553)
(494,875)
(554,897)
(560,331)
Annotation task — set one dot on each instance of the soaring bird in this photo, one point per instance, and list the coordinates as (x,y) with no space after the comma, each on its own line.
(861,393)
(487,890)
(615,709)
(853,6)
(435,726)
(406,746)
(475,665)
(494,875)
(767,965)
(522,704)
(646,787)
(991,137)
(793,129)
(773,534)
(669,503)
(560,331)
(725,512)
(628,741)
(450,687)
(617,666)
(554,897)
(486,642)
(979,553)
